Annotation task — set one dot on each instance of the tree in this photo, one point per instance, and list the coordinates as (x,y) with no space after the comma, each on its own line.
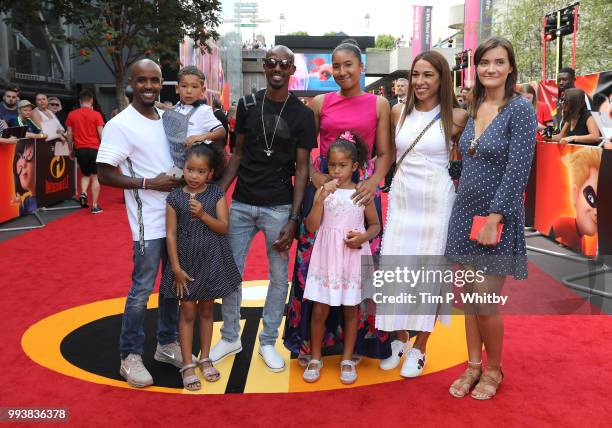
(520,21)
(121,32)
(330,33)
(298,33)
(385,41)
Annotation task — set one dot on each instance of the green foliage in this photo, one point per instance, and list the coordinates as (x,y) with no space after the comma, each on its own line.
(521,23)
(299,33)
(385,41)
(121,31)
(330,33)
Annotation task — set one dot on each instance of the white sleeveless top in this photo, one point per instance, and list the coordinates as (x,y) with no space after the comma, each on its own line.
(49,123)
(432,145)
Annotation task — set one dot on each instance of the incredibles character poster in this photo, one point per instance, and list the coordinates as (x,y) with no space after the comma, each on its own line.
(566,195)
(9,207)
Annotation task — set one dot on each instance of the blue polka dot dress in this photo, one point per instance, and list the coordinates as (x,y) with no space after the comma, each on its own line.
(205,255)
(493,181)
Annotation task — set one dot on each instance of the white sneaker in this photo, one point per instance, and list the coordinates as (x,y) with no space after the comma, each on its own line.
(133,370)
(224,349)
(397,350)
(171,354)
(414,364)
(272,358)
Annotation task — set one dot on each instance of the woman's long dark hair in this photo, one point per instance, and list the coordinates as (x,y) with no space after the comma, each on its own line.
(479,90)
(446,95)
(574,100)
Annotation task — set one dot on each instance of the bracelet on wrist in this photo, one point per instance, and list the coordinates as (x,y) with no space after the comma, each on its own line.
(295,218)
(144,184)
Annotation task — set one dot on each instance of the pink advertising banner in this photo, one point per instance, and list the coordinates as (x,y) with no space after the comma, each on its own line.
(478,19)
(417,14)
(421,29)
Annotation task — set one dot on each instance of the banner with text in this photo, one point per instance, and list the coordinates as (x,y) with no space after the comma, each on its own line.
(421,29)
(54,175)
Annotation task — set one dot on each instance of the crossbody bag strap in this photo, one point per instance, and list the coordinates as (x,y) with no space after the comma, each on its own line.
(414,143)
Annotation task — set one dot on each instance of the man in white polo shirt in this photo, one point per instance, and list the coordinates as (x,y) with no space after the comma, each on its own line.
(135,141)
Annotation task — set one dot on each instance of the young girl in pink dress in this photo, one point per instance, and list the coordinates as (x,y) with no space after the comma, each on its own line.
(334,275)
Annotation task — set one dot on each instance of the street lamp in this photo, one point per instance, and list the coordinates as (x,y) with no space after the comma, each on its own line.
(281,20)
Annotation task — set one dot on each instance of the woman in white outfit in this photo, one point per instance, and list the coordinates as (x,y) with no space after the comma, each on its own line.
(422,193)
(47,120)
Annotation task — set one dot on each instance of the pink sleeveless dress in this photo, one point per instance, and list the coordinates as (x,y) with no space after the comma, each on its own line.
(356,114)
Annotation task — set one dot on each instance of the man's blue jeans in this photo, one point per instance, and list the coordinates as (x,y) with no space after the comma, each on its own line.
(245,221)
(144,274)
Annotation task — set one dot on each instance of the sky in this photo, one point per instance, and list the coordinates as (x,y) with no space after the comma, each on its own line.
(319,16)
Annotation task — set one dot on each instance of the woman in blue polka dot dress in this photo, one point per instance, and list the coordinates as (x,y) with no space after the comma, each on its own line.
(497,149)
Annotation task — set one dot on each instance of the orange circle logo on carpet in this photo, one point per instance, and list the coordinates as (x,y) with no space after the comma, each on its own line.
(82,342)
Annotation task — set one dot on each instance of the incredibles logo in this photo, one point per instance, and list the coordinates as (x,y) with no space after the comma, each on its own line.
(57,166)
(83,342)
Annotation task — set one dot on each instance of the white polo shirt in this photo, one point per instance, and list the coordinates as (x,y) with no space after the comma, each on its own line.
(202,121)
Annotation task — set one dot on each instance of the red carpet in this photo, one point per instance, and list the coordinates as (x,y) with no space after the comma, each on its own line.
(558,368)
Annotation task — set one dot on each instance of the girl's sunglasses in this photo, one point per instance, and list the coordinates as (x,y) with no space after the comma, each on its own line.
(271,63)
(590,196)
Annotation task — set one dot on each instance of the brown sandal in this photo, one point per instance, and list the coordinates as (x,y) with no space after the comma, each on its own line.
(488,385)
(466,381)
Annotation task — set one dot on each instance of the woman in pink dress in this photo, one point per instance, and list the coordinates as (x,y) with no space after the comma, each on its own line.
(366,115)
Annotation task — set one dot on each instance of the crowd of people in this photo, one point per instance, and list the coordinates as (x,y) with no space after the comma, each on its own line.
(175,178)
(331,205)
(77,133)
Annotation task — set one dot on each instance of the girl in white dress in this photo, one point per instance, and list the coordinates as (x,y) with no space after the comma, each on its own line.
(422,193)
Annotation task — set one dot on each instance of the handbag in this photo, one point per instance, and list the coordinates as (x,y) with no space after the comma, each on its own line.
(478,222)
(455,164)
(414,143)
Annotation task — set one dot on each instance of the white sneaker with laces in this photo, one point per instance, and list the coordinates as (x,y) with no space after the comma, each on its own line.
(272,358)
(133,370)
(397,351)
(171,354)
(414,364)
(224,349)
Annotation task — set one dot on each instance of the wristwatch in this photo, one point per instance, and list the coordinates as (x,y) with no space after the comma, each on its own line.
(295,218)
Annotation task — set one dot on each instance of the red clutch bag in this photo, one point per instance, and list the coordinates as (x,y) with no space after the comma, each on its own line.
(478,223)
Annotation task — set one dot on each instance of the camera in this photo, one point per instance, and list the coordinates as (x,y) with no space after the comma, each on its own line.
(548,132)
